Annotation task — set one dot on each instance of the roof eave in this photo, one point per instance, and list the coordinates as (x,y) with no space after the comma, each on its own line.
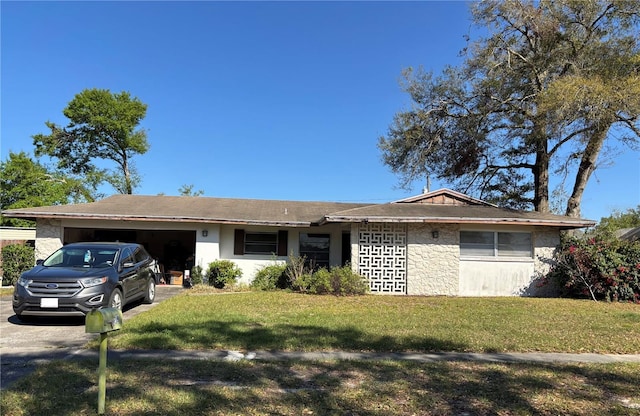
(234,221)
(464,220)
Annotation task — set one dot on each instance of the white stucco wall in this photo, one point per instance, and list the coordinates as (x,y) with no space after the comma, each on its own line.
(500,276)
(251,263)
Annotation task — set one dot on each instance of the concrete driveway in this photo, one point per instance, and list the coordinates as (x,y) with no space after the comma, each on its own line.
(25,345)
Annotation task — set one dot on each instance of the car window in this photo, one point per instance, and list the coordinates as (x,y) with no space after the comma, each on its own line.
(104,257)
(127,256)
(141,255)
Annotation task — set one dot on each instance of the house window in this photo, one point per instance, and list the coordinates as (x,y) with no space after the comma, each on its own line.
(315,249)
(495,244)
(250,242)
(260,243)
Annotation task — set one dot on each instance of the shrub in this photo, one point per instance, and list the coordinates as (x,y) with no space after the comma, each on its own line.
(600,268)
(223,273)
(296,271)
(270,277)
(318,282)
(339,281)
(196,275)
(16,259)
(345,282)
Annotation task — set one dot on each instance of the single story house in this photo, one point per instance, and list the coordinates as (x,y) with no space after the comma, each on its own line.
(437,243)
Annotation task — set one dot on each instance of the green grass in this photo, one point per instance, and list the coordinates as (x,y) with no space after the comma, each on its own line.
(190,388)
(289,321)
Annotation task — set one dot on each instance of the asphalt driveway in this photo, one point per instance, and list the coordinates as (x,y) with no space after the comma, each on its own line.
(25,345)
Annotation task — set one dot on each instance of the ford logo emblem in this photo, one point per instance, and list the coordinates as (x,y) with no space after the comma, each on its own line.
(52,286)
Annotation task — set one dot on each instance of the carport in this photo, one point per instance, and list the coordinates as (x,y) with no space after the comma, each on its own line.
(174,249)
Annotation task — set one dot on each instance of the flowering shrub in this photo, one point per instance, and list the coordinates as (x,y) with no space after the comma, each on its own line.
(599,267)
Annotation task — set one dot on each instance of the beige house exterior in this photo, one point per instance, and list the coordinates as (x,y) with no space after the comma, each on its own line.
(437,243)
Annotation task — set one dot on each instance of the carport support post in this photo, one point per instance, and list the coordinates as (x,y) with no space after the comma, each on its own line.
(102,373)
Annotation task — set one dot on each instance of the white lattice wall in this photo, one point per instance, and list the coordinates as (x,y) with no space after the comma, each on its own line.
(382,257)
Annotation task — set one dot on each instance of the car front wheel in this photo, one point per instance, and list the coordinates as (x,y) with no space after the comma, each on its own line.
(150,293)
(115,300)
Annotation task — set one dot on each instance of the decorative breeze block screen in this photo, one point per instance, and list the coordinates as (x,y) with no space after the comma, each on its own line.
(382,257)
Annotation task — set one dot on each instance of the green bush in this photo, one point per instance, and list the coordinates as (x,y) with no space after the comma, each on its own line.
(600,267)
(318,282)
(345,282)
(196,275)
(270,277)
(16,259)
(339,281)
(223,273)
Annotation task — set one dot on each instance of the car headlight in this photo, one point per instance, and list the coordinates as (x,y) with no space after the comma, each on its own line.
(23,281)
(93,281)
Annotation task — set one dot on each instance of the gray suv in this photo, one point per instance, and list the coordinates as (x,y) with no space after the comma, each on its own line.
(80,277)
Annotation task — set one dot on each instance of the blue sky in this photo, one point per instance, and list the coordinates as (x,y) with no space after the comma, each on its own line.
(267,100)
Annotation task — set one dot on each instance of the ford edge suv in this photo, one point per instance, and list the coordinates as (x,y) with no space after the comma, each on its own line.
(80,277)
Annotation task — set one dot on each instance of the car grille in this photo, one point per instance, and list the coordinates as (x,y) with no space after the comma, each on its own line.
(53,289)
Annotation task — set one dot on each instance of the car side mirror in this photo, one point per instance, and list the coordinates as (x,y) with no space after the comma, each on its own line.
(39,262)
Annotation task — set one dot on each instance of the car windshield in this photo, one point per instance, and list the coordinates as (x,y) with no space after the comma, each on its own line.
(87,257)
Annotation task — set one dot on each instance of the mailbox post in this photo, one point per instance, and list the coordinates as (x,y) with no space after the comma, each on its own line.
(103,321)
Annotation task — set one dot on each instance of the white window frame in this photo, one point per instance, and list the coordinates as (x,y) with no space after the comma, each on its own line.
(496,253)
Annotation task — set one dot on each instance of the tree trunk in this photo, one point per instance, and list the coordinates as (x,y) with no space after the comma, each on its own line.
(541,176)
(586,168)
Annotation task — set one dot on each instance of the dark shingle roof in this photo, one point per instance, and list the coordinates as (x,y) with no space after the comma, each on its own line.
(190,209)
(287,213)
(458,214)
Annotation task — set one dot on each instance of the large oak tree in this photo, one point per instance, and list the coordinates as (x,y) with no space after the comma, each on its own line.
(543,93)
(103,126)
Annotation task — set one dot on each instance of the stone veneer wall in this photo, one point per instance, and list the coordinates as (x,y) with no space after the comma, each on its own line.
(49,234)
(433,263)
(545,244)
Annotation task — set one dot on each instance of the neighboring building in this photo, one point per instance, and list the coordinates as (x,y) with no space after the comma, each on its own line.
(437,243)
(17,235)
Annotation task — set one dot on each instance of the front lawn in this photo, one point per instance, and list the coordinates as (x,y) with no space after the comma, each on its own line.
(194,388)
(290,321)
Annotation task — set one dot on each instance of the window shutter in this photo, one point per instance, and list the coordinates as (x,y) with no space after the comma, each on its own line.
(283,237)
(238,242)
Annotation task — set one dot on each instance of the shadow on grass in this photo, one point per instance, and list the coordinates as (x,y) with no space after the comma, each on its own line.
(151,387)
(243,336)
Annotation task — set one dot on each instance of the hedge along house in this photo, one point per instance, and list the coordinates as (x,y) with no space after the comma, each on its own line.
(437,243)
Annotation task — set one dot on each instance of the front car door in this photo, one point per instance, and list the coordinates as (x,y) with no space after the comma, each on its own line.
(128,275)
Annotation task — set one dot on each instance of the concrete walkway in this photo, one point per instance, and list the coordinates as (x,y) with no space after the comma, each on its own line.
(511,357)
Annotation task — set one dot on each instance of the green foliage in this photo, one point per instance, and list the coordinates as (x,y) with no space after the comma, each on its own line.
(196,275)
(296,271)
(270,277)
(619,220)
(223,273)
(600,267)
(102,127)
(26,183)
(536,96)
(339,281)
(187,190)
(318,282)
(16,259)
